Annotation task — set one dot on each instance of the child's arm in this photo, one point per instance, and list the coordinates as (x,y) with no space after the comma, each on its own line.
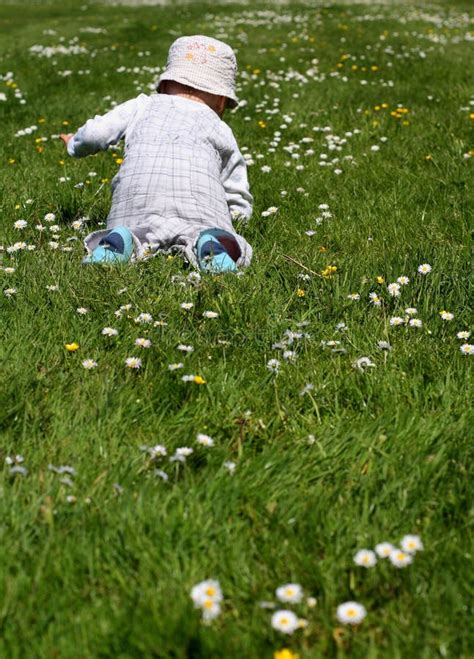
(236,185)
(99,133)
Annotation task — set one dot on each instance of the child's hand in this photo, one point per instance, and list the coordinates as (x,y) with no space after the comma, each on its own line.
(65,137)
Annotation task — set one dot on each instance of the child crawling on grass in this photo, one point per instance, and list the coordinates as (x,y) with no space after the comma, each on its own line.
(183,179)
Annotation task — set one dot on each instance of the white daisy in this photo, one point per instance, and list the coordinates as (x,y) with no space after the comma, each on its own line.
(175,367)
(363,364)
(186,305)
(109,331)
(424,268)
(9,292)
(446,315)
(142,343)
(400,558)
(411,544)
(394,289)
(285,621)
(467,349)
(384,345)
(20,224)
(396,320)
(157,451)
(273,365)
(210,314)
(230,466)
(403,280)
(210,609)
(353,296)
(290,592)
(143,318)
(384,549)
(82,311)
(133,362)
(184,348)
(351,613)
(89,364)
(181,453)
(415,322)
(375,299)
(204,440)
(49,217)
(460,335)
(206,590)
(365,558)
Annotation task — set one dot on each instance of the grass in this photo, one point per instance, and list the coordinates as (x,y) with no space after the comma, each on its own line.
(361,458)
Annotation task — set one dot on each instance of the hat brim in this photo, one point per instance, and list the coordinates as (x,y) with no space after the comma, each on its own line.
(232,102)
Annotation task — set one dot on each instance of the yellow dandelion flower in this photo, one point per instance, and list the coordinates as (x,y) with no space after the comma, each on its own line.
(66,123)
(262,124)
(329,271)
(300,292)
(380,279)
(429,157)
(17,207)
(284,653)
(11,161)
(471,116)
(198,379)
(119,161)
(256,72)
(72,347)
(41,120)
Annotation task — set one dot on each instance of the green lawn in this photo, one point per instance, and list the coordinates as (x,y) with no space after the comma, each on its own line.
(100,562)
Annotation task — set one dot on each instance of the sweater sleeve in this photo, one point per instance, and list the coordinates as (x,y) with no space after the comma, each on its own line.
(99,133)
(235,182)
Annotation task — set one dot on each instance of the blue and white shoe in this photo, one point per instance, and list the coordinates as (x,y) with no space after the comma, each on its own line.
(212,256)
(116,247)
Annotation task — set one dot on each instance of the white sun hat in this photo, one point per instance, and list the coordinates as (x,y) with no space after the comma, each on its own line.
(204,63)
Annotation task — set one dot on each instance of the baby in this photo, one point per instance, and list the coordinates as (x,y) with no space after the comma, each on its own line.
(183,179)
